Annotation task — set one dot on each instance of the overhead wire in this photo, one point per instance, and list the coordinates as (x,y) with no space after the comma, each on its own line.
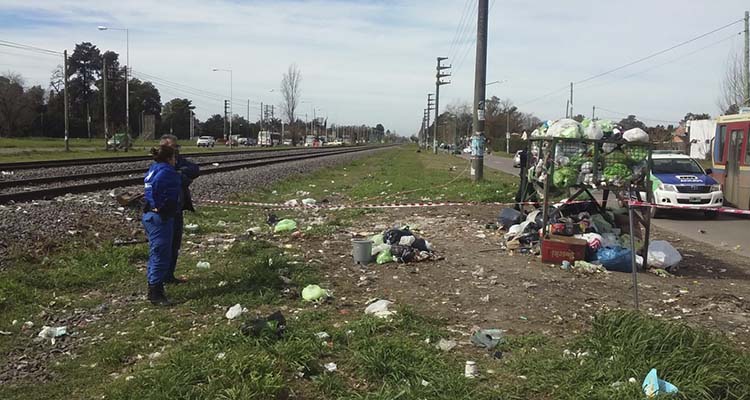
(470,40)
(643,118)
(459,28)
(7,43)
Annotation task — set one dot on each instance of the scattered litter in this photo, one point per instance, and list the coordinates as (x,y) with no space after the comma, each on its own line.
(653,386)
(221,224)
(314,293)
(487,338)
(662,255)
(192,227)
(425,383)
(446,345)
(587,267)
(215,164)
(221,356)
(48,332)
(470,369)
(291,203)
(407,240)
(485,299)
(308,202)
(322,335)
(5,333)
(380,309)
(234,311)
(254,230)
(203,265)
(285,225)
(330,367)
(385,256)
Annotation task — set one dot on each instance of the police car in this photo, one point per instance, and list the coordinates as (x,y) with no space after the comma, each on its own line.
(679,180)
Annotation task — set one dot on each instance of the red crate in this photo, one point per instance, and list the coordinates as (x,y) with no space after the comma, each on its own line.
(557,248)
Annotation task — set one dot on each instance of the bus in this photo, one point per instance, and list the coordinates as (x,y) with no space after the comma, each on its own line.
(731,157)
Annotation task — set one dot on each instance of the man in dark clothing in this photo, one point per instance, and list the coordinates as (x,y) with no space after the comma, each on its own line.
(189,171)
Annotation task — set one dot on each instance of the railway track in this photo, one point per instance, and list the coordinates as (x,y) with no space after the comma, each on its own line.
(141,170)
(48,193)
(13,166)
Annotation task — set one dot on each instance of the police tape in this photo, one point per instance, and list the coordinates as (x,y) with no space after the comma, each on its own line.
(278,206)
(727,210)
(427,204)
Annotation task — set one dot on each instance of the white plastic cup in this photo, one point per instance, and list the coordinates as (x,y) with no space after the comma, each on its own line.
(470,370)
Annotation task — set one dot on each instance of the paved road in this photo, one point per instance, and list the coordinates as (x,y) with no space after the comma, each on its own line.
(727,231)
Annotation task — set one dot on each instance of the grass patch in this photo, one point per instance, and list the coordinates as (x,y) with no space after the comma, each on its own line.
(399,174)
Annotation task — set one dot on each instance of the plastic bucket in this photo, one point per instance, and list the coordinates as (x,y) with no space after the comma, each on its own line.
(362,251)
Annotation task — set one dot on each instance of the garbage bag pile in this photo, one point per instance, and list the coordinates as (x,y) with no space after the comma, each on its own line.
(607,235)
(615,159)
(401,245)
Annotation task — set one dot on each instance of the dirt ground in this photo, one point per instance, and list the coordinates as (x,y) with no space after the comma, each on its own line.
(477,284)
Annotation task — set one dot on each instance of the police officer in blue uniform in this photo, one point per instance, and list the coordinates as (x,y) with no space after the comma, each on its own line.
(188,171)
(163,190)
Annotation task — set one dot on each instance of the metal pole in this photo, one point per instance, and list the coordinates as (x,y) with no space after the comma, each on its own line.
(248,118)
(507,132)
(65,97)
(437,115)
(571,100)
(480,79)
(106,129)
(747,58)
(632,255)
(593,112)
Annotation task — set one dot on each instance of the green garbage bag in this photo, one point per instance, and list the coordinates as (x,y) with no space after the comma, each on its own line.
(313,293)
(377,239)
(564,177)
(384,257)
(285,225)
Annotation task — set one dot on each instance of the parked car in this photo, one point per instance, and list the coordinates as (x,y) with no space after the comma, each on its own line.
(680,180)
(206,141)
(287,142)
(118,140)
(245,141)
(517,159)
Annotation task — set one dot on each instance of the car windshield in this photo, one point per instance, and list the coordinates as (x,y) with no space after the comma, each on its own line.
(676,166)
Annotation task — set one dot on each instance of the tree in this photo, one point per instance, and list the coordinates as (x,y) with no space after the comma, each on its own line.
(175,118)
(579,118)
(290,92)
(631,122)
(11,109)
(145,99)
(84,68)
(732,94)
(213,126)
(695,117)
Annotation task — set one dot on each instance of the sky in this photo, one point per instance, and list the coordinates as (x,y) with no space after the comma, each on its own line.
(370,62)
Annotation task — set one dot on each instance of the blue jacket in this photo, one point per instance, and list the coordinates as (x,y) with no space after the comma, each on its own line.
(163,189)
(188,171)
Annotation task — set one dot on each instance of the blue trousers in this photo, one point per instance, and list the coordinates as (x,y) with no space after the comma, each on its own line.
(160,233)
(179,222)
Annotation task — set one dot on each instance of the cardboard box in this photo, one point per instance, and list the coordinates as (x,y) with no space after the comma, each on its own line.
(557,248)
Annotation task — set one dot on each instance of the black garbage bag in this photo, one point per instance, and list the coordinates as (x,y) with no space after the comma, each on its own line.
(508,217)
(274,324)
(272,219)
(420,244)
(393,236)
(403,254)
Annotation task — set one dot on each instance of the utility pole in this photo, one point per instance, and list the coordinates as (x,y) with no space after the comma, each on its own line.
(438,82)
(261,115)
(480,80)
(226,110)
(593,112)
(65,97)
(567,108)
(430,107)
(571,100)
(747,58)
(248,118)
(104,77)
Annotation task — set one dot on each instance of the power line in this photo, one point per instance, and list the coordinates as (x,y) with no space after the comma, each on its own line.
(734,35)
(659,52)
(459,28)
(629,114)
(472,40)
(26,47)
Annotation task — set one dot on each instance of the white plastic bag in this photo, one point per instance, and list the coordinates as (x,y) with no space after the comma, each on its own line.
(234,311)
(593,131)
(635,135)
(380,309)
(565,128)
(663,255)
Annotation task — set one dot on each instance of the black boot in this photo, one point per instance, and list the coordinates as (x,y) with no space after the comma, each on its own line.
(175,280)
(157,296)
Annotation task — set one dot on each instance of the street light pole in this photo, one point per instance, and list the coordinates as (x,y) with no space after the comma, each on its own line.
(127,80)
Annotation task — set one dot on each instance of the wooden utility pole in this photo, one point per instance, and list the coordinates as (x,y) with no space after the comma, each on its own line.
(65,97)
(480,80)
(593,112)
(438,82)
(430,107)
(571,100)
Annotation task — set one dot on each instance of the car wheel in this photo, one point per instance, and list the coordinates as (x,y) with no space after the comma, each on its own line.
(711,214)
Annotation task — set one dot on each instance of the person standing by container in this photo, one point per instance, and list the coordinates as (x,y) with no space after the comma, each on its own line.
(163,188)
(188,171)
